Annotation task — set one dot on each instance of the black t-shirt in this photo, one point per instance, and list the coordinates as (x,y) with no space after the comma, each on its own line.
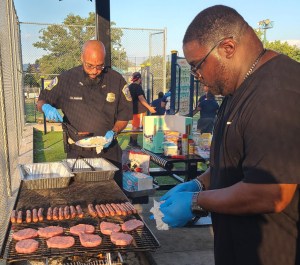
(91,105)
(136,90)
(256,140)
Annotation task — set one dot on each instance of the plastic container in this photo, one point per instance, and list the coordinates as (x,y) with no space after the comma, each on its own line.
(185,144)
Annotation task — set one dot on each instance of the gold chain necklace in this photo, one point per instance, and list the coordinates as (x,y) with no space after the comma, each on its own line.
(254,64)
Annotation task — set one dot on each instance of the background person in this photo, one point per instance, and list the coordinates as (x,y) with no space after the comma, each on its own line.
(139,105)
(158,105)
(252,185)
(93,99)
(208,107)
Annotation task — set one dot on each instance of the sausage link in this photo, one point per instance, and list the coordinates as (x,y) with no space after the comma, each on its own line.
(34,215)
(104,209)
(13,216)
(28,216)
(73,211)
(67,212)
(40,214)
(116,208)
(79,211)
(92,210)
(131,207)
(125,208)
(19,218)
(99,211)
(111,210)
(61,213)
(55,213)
(49,213)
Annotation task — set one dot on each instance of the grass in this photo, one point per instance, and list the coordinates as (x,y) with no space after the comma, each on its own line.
(48,147)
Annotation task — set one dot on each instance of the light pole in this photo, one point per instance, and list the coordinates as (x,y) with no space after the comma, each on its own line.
(264,25)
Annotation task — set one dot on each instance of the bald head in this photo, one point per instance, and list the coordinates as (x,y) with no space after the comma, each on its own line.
(93,58)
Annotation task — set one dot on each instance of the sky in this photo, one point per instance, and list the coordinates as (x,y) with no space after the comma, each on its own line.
(172,15)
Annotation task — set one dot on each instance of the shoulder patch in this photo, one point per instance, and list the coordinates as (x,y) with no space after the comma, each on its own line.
(52,84)
(126,93)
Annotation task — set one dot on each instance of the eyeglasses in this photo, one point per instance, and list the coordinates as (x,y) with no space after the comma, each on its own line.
(194,69)
(91,67)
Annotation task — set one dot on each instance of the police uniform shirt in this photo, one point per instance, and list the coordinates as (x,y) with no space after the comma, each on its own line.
(90,105)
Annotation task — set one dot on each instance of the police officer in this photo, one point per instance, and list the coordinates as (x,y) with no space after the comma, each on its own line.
(94,99)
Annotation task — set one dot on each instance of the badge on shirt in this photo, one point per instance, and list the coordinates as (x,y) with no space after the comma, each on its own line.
(111,97)
(52,84)
(126,93)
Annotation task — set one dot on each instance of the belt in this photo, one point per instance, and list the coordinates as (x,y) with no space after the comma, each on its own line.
(79,148)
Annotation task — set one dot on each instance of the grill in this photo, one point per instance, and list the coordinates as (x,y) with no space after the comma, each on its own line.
(81,193)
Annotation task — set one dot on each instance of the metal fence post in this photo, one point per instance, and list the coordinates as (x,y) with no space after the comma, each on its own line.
(45,122)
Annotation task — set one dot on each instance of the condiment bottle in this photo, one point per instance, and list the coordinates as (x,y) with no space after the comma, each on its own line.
(179,146)
(191,147)
(185,144)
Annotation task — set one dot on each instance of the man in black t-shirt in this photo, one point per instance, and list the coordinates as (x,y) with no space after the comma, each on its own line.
(139,106)
(95,101)
(252,185)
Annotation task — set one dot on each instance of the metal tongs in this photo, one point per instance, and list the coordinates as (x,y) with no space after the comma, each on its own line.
(82,158)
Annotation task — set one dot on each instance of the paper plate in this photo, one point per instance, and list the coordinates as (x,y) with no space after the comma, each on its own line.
(96,141)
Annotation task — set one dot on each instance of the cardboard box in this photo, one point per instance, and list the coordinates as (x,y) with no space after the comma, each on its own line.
(135,181)
(154,127)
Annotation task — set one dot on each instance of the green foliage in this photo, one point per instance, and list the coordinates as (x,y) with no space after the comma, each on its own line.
(284,48)
(63,43)
(32,77)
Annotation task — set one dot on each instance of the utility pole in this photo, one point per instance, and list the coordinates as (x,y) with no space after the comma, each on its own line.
(264,25)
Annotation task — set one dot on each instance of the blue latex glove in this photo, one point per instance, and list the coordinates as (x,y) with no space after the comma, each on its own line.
(191,186)
(109,137)
(177,209)
(51,113)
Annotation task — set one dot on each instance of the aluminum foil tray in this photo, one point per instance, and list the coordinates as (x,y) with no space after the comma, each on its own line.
(91,169)
(45,175)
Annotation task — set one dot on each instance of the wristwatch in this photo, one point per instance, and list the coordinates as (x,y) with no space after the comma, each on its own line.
(196,208)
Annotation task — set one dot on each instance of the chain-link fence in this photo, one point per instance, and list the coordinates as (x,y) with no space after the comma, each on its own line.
(11,109)
(49,49)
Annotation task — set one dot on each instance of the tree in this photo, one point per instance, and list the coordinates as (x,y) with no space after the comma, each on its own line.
(282,47)
(63,43)
(31,76)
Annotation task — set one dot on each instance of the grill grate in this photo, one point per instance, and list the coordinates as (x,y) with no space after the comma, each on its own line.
(144,240)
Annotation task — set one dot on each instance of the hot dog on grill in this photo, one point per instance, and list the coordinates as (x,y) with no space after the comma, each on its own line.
(35,215)
(67,212)
(73,211)
(104,209)
(28,216)
(79,211)
(13,216)
(92,210)
(111,210)
(61,213)
(40,214)
(19,217)
(116,208)
(126,207)
(131,207)
(99,211)
(49,213)
(55,213)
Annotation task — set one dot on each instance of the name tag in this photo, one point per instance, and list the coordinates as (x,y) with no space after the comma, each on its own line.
(75,98)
